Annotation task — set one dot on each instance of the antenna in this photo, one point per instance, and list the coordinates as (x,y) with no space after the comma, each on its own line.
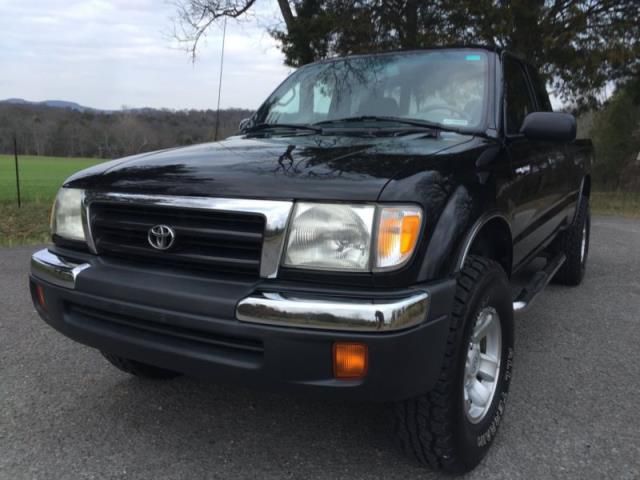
(224,36)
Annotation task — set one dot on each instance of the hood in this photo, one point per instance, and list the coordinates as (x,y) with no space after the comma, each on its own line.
(303,167)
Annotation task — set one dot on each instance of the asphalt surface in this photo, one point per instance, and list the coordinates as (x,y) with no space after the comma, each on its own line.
(573,411)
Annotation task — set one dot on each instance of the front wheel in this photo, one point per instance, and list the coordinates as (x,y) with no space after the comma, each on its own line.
(452,427)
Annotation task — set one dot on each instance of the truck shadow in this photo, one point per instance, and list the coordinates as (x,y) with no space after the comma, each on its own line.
(228,430)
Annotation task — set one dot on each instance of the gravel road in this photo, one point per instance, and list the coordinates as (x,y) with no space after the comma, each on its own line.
(573,411)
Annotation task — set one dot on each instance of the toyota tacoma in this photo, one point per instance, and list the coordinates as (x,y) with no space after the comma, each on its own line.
(368,234)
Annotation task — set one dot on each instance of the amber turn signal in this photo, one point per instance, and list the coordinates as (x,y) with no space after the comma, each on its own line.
(349,360)
(40,297)
(398,232)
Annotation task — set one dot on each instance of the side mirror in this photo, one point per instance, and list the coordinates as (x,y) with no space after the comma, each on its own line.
(244,124)
(549,126)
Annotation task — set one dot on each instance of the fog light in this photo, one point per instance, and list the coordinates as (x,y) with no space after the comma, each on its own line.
(40,297)
(349,360)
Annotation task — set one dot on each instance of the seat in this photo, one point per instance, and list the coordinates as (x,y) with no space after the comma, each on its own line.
(384,106)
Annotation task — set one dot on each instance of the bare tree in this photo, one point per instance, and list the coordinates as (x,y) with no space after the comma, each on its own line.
(195,17)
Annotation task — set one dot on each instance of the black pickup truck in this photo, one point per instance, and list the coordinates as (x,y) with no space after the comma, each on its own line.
(369,234)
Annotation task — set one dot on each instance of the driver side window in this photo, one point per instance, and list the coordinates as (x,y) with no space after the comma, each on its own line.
(518,98)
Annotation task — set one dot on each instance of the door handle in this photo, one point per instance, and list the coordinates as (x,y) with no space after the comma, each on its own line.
(524,170)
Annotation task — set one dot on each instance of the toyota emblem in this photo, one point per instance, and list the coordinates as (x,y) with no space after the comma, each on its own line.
(161,237)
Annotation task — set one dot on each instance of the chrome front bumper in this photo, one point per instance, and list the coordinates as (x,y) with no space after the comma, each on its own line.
(56,270)
(334,314)
(279,309)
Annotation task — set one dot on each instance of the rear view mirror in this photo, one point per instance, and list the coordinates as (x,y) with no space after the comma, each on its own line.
(549,126)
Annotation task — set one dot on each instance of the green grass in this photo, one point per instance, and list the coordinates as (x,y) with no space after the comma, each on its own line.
(626,204)
(40,177)
(28,225)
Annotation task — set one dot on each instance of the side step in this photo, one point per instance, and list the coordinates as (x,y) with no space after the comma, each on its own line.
(539,280)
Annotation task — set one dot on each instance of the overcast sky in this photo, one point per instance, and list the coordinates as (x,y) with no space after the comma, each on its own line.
(110,53)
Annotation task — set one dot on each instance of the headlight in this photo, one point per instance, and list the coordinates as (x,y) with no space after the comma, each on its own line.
(339,237)
(66,217)
(336,237)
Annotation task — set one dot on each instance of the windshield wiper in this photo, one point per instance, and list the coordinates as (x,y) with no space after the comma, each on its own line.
(380,118)
(285,126)
(321,127)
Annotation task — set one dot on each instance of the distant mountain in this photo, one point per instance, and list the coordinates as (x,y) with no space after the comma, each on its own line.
(51,103)
(76,107)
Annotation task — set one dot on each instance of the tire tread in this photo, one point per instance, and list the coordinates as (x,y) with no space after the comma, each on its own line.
(422,424)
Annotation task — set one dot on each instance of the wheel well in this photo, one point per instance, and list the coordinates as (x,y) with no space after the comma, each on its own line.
(494,241)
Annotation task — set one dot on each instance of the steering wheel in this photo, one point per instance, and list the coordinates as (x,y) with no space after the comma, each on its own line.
(460,113)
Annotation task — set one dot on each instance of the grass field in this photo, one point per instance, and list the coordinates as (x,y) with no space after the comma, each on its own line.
(626,204)
(40,178)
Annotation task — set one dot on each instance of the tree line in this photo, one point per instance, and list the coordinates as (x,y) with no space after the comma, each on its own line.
(44,130)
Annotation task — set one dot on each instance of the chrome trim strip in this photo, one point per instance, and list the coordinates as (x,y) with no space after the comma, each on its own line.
(86,224)
(51,268)
(276,214)
(277,309)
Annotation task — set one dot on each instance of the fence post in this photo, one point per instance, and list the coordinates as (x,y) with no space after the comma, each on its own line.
(15,156)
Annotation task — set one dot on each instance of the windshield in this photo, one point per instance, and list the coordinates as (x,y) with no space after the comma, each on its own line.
(447,87)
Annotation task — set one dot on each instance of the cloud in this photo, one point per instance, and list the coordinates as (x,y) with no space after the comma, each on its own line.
(107,54)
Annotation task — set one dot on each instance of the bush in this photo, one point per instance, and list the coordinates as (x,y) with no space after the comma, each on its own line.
(616,138)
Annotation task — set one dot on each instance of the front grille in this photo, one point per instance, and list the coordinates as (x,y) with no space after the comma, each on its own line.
(204,239)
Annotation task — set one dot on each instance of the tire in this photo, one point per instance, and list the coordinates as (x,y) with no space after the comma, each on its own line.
(570,242)
(139,369)
(438,428)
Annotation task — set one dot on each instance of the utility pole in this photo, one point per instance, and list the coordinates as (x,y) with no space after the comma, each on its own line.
(15,156)
(224,36)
